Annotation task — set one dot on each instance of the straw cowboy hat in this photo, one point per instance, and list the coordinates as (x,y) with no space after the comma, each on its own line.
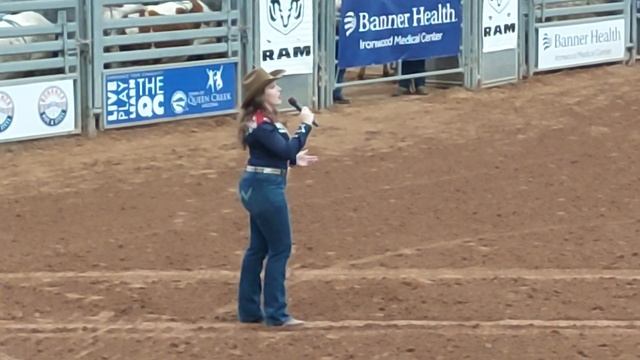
(256,81)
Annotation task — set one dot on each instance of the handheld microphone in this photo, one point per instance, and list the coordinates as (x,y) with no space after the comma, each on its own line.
(293,102)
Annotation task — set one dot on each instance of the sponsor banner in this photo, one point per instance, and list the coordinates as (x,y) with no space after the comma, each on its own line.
(154,95)
(37,110)
(499,25)
(564,46)
(382,31)
(286,35)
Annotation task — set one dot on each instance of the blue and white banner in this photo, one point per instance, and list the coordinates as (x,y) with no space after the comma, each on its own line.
(154,95)
(37,110)
(382,31)
(581,44)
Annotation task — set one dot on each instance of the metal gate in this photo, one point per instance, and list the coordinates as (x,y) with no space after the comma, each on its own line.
(460,69)
(146,68)
(570,33)
(499,35)
(635,28)
(40,93)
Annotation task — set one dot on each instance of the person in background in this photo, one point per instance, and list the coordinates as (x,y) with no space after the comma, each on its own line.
(412,67)
(338,97)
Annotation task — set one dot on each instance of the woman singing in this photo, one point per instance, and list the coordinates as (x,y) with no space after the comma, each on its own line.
(262,192)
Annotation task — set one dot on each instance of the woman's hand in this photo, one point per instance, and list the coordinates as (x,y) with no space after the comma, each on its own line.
(302,159)
(306,116)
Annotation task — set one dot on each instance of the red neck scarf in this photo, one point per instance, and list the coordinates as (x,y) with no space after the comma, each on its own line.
(260,117)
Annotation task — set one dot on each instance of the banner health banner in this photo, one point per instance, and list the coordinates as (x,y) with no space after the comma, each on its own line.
(581,44)
(382,31)
(153,95)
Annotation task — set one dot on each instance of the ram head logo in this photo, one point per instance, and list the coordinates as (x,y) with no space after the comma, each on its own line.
(285,15)
(498,5)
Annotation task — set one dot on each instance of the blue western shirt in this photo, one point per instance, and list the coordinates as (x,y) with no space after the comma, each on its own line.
(271,146)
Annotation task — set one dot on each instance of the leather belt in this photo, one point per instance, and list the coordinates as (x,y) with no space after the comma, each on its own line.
(266,170)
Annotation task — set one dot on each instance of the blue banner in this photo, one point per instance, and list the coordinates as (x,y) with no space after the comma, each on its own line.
(153,95)
(382,31)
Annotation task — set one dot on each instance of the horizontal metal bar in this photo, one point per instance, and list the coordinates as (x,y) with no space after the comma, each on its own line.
(177,118)
(123,2)
(133,22)
(401,77)
(36,5)
(108,3)
(590,20)
(137,55)
(580,10)
(33,79)
(48,46)
(499,81)
(39,64)
(568,3)
(12,32)
(165,36)
(152,68)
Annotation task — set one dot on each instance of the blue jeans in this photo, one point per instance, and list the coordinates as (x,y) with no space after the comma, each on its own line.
(337,92)
(263,195)
(413,67)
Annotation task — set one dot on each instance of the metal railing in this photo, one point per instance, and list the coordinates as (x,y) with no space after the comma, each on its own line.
(136,42)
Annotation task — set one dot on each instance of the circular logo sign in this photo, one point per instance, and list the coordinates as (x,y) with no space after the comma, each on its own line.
(52,106)
(179,102)
(7,109)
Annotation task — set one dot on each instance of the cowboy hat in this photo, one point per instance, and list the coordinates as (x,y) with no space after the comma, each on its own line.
(256,81)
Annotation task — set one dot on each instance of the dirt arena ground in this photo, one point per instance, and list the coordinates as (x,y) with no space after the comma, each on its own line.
(499,224)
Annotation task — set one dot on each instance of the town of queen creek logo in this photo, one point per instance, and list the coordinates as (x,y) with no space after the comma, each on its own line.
(179,102)
(350,23)
(498,5)
(7,109)
(285,15)
(52,106)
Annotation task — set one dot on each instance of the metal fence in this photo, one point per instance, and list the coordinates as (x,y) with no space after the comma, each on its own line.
(455,70)
(135,43)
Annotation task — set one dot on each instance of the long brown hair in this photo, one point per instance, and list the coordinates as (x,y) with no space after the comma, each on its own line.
(245,117)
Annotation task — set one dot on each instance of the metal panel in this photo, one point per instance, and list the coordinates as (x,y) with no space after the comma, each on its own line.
(53,56)
(120,43)
(498,67)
